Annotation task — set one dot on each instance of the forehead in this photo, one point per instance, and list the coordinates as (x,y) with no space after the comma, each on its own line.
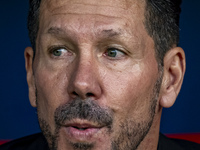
(114,8)
(92,14)
(120,4)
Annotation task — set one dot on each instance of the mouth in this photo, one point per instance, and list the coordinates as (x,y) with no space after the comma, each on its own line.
(82,130)
(79,127)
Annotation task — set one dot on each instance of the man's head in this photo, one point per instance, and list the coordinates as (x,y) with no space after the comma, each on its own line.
(103,70)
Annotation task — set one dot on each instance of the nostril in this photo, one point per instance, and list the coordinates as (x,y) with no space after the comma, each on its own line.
(74,93)
(89,94)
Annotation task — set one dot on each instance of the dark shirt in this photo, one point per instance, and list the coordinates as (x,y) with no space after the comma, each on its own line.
(166,143)
(38,142)
(32,142)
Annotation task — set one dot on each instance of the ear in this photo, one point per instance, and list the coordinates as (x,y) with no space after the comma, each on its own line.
(174,70)
(28,54)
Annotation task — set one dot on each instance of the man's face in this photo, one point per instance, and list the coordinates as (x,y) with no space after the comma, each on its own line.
(95,74)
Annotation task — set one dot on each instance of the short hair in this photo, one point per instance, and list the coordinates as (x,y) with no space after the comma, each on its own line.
(33,21)
(161,22)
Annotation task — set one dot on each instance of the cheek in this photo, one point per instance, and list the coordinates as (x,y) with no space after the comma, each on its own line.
(51,92)
(130,94)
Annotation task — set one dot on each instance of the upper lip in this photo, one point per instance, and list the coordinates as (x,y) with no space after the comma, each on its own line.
(82,124)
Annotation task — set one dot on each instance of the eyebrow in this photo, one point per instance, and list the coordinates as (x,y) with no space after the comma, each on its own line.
(109,33)
(55,30)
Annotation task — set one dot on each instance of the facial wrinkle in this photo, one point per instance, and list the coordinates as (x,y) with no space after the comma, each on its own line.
(91,8)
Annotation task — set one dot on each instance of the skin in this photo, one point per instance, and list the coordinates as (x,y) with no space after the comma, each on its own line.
(74,64)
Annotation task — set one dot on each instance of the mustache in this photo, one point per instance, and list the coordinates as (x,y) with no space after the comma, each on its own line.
(83,109)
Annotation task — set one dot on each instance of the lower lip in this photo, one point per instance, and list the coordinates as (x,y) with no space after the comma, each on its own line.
(82,135)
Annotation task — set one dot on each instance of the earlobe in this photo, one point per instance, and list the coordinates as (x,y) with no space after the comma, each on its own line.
(174,70)
(28,54)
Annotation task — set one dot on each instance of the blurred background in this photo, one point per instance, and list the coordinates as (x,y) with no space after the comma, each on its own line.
(18,118)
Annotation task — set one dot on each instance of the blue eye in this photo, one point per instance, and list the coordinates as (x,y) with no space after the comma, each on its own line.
(114,53)
(58,52)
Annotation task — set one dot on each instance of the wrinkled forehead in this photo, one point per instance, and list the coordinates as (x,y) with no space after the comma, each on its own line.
(92,17)
(84,6)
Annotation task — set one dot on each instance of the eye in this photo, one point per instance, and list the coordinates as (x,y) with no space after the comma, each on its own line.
(114,53)
(58,52)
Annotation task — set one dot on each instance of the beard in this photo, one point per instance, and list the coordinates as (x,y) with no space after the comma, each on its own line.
(130,133)
(77,108)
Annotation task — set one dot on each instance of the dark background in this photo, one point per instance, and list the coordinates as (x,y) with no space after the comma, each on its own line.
(18,118)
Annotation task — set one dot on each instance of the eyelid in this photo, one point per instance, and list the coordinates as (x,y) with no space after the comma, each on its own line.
(114,48)
(56,47)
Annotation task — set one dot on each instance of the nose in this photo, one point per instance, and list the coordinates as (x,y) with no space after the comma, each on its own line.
(84,81)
